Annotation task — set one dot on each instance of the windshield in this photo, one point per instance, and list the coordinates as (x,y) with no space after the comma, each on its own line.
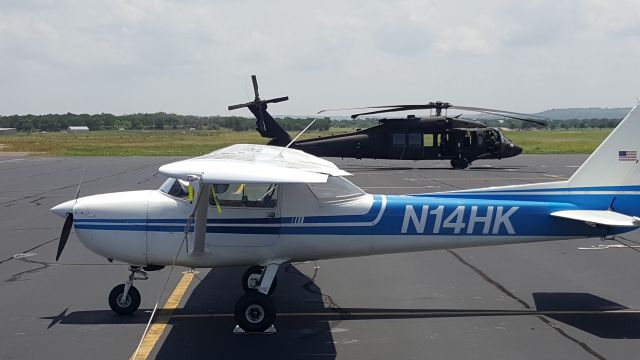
(176,188)
(335,189)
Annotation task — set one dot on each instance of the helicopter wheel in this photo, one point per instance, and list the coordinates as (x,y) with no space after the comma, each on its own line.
(459,163)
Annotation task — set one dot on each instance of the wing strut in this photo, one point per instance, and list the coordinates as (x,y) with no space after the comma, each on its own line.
(202,206)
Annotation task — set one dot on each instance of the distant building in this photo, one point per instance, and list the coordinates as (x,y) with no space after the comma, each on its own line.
(8,131)
(78,128)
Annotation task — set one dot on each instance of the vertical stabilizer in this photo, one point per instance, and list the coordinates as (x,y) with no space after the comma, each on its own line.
(614,163)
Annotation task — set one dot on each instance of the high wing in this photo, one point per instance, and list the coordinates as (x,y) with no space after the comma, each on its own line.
(251,163)
(599,217)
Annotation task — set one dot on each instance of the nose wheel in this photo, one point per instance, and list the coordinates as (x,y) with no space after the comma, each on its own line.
(124,299)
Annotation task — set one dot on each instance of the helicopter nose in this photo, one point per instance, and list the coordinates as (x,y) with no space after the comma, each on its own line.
(515,149)
(63,209)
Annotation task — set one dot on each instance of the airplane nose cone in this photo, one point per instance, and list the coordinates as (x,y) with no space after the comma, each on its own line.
(64,208)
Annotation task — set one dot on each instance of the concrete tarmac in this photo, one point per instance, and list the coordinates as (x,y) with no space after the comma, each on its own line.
(574,299)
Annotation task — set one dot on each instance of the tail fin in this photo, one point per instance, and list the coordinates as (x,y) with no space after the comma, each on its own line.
(265,123)
(614,162)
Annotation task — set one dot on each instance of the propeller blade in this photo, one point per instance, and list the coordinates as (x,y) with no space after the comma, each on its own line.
(254,80)
(64,235)
(80,183)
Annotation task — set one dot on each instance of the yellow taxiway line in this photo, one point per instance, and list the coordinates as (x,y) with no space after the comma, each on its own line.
(158,326)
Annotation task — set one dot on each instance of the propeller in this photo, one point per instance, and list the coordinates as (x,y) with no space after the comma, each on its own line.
(68,220)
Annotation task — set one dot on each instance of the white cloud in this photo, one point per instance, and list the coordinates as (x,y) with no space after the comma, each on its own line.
(196,56)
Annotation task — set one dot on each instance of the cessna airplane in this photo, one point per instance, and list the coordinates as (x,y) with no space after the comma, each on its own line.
(261,206)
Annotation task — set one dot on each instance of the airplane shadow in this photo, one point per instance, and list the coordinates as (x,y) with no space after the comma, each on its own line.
(212,337)
(203,328)
(624,325)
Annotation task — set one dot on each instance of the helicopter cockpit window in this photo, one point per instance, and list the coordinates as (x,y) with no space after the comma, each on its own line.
(247,195)
(176,188)
(336,189)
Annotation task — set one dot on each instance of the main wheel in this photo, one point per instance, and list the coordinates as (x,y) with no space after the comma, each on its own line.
(255,312)
(251,280)
(462,163)
(121,305)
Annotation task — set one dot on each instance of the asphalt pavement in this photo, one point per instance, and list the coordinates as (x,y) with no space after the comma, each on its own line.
(574,299)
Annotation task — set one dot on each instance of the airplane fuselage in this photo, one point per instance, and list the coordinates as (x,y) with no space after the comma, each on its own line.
(148,227)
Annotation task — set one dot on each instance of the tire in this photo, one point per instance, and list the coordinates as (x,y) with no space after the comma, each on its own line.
(462,163)
(130,306)
(454,163)
(255,312)
(256,270)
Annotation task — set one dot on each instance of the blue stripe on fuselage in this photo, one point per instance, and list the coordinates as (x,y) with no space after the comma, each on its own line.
(436,214)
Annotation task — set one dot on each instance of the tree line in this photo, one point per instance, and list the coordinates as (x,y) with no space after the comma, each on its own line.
(166,121)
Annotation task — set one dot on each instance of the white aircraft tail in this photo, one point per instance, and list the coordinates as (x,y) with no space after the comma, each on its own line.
(614,162)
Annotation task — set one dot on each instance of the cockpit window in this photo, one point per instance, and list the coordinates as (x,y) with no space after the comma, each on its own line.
(336,189)
(176,188)
(248,195)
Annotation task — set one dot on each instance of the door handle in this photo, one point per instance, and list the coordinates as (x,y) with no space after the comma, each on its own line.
(271,214)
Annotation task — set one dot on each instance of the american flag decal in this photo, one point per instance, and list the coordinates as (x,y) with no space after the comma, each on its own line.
(627,155)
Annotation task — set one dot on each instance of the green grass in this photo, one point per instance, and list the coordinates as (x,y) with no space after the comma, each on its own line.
(191,143)
(558,142)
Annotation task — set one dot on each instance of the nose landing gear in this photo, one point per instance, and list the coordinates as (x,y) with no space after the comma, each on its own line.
(124,299)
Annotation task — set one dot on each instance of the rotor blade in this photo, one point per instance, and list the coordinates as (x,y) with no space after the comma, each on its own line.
(419,106)
(64,235)
(404,108)
(254,80)
(471,108)
(276,100)
(542,123)
(233,107)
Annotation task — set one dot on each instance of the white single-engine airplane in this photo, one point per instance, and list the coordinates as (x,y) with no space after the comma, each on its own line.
(262,206)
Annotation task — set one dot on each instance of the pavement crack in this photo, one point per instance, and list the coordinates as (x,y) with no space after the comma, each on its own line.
(526,305)
(10,202)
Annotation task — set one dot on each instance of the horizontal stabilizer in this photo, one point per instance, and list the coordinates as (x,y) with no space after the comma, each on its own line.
(599,217)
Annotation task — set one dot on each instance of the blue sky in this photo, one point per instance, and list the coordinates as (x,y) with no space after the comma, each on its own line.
(196,57)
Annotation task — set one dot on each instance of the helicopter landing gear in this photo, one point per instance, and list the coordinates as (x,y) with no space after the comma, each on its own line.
(255,311)
(124,299)
(460,163)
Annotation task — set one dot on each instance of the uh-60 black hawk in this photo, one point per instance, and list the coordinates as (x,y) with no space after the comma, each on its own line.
(434,137)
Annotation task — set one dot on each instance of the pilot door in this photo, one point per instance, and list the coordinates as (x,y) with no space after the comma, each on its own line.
(244,215)
(248,215)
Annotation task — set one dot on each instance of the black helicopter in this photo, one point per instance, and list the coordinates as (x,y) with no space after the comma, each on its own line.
(436,137)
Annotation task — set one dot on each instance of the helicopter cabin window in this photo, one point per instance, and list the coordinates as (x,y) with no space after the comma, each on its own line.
(415,140)
(246,195)
(336,189)
(430,140)
(398,141)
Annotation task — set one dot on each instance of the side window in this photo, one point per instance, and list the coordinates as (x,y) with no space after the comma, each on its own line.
(248,195)
(398,141)
(415,140)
